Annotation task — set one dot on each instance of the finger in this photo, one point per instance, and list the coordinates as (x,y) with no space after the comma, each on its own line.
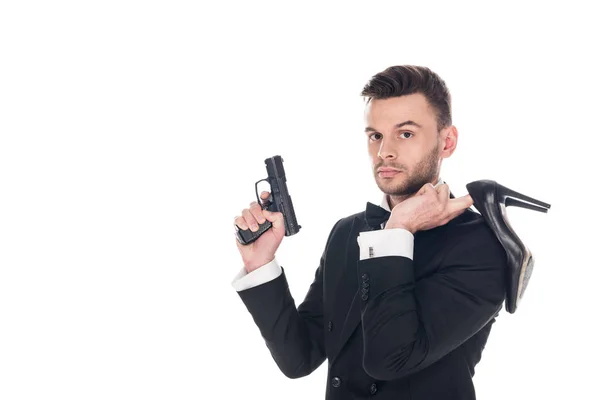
(426,188)
(454,214)
(441,186)
(443,194)
(469,200)
(459,203)
(250,220)
(443,191)
(455,208)
(264,196)
(240,223)
(256,211)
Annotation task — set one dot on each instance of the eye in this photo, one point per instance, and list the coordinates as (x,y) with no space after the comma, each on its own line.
(403,134)
(371,137)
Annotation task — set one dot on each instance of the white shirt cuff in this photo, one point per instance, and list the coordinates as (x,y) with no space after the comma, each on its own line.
(386,242)
(263,274)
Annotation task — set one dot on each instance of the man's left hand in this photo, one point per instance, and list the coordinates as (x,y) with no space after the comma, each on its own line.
(428,208)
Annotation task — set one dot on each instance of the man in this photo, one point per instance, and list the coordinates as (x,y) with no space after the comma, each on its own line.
(402,308)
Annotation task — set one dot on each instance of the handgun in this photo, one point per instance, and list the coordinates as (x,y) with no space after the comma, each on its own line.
(279,200)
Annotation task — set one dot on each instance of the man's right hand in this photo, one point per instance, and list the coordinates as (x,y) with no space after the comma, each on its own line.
(262,250)
(429,208)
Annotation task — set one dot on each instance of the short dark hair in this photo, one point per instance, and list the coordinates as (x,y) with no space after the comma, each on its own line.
(403,80)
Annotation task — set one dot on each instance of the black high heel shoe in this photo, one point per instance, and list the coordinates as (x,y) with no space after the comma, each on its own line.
(491,199)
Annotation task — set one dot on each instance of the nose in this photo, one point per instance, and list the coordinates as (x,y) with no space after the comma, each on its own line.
(386,150)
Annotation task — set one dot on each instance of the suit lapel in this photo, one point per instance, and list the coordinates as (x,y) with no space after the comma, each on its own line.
(347,305)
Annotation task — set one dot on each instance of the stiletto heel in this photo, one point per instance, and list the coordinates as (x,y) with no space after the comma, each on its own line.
(491,199)
(512,198)
(518,203)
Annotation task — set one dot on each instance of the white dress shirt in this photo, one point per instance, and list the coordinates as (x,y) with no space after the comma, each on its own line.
(380,243)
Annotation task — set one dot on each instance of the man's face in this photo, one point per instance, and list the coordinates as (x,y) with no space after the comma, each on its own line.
(402,134)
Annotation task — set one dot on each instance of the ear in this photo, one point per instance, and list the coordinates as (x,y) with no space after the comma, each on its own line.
(449,139)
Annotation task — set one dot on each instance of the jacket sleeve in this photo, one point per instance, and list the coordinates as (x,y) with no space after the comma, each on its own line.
(293,335)
(409,325)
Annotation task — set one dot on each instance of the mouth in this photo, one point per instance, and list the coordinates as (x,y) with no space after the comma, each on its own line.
(387,173)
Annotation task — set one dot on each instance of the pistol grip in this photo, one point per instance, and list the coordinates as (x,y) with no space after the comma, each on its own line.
(246,236)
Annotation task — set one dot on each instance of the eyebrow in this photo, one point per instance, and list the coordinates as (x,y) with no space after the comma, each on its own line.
(400,125)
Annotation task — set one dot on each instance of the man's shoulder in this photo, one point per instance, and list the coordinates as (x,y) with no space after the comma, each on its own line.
(346,223)
(471,223)
(344,226)
(473,232)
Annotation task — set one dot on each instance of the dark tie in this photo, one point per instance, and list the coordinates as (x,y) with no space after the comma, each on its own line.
(376,215)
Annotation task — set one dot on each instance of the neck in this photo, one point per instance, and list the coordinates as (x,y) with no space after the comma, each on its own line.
(393,201)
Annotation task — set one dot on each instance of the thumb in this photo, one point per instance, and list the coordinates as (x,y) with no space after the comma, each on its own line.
(275,218)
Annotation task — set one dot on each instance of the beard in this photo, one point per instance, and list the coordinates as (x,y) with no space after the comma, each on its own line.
(425,171)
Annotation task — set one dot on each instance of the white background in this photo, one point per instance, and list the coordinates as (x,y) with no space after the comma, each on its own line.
(132,134)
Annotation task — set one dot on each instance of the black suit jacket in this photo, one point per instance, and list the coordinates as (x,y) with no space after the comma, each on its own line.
(390,327)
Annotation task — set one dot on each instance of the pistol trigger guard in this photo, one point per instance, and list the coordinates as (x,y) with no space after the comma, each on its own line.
(269,200)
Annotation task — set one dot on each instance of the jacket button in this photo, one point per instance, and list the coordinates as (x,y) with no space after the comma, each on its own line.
(373,388)
(330,326)
(336,382)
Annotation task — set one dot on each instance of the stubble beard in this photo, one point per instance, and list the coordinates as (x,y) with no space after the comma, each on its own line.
(423,172)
